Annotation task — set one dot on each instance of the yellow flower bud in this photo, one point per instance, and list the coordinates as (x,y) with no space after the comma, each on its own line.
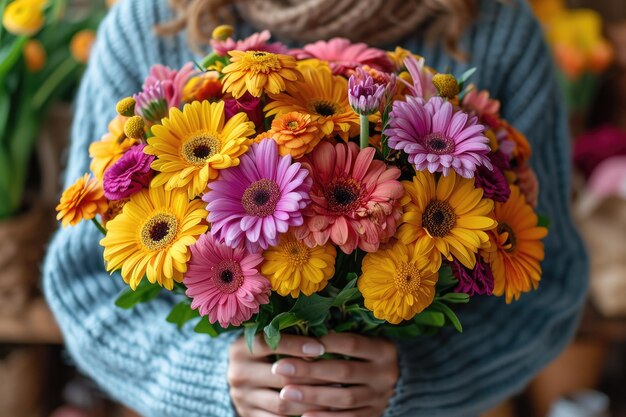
(126,107)
(222,32)
(134,127)
(23,17)
(80,45)
(34,55)
(446,85)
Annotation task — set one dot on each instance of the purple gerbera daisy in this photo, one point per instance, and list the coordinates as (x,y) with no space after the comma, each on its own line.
(436,138)
(259,199)
(477,281)
(224,283)
(128,175)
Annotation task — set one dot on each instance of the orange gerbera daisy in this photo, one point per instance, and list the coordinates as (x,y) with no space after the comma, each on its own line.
(258,71)
(322,95)
(110,148)
(515,262)
(295,133)
(206,86)
(83,200)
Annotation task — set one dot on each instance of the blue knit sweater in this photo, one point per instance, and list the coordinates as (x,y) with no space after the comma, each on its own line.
(160,371)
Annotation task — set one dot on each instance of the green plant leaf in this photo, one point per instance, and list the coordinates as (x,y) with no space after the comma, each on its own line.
(345,296)
(543,221)
(455,297)
(249,331)
(313,309)
(182,313)
(144,293)
(439,306)
(271,332)
(446,279)
(466,75)
(430,318)
(204,326)
(402,332)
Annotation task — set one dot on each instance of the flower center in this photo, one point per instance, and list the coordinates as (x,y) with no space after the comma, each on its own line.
(293,125)
(159,231)
(408,278)
(325,107)
(259,61)
(343,195)
(438,218)
(510,242)
(227,276)
(438,143)
(260,198)
(200,148)
(296,252)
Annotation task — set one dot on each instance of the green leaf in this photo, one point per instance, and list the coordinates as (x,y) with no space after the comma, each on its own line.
(455,297)
(446,278)
(249,331)
(439,306)
(144,293)
(543,221)
(351,277)
(430,318)
(205,327)
(181,314)
(271,332)
(345,326)
(10,54)
(466,75)
(319,331)
(345,296)
(402,332)
(313,309)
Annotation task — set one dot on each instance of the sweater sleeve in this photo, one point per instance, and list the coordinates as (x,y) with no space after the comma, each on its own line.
(504,346)
(134,355)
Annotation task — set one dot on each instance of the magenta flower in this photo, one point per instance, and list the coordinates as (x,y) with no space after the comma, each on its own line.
(364,94)
(224,283)
(248,104)
(255,42)
(343,55)
(492,181)
(128,175)
(259,199)
(436,138)
(477,281)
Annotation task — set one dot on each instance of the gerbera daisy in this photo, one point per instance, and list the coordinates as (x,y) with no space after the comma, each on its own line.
(397,283)
(152,236)
(292,267)
(192,145)
(110,148)
(421,84)
(449,215)
(519,250)
(224,283)
(436,138)
(255,42)
(342,55)
(479,103)
(295,133)
(206,86)
(322,95)
(151,104)
(258,71)
(83,200)
(259,199)
(173,81)
(355,198)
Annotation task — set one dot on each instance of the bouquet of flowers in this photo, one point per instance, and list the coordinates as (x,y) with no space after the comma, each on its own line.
(336,187)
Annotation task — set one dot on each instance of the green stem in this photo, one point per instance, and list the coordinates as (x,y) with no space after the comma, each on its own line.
(57,77)
(3,5)
(99,226)
(365,132)
(12,56)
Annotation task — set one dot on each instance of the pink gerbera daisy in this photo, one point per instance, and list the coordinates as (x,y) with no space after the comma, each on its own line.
(342,55)
(437,138)
(259,199)
(486,108)
(224,283)
(422,78)
(255,42)
(355,199)
(172,81)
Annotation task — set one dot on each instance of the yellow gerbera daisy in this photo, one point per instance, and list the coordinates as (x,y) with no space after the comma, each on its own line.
(152,236)
(193,145)
(110,148)
(397,283)
(518,250)
(258,71)
(322,95)
(292,267)
(450,216)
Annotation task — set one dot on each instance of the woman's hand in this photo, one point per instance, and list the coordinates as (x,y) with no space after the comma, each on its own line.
(370,381)
(254,389)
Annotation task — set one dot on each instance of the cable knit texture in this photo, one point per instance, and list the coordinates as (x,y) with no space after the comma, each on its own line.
(161,371)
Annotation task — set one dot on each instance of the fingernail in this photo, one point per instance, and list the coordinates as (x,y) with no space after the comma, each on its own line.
(313,349)
(280,368)
(290,394)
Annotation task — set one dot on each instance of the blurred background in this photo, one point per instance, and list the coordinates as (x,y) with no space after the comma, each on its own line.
(42,57)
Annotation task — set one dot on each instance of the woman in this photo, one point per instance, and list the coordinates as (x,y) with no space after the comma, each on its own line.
(161,371)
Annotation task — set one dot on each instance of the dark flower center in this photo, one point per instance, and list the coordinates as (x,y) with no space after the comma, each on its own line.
(227,276)
(325,108)
(343,195)
(511,241)
(438,143)
(260,198)
(159,231)
(200,149)
(438,218)
(408,278)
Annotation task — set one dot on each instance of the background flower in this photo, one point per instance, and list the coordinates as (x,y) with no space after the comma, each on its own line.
(255,42)
(83,200)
